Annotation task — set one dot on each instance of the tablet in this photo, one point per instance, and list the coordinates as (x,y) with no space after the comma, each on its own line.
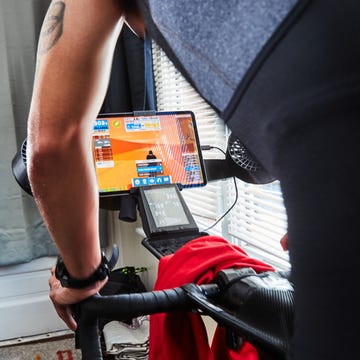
(137,149)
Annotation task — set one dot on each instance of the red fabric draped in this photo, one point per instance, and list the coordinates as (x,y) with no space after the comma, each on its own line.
(182,335)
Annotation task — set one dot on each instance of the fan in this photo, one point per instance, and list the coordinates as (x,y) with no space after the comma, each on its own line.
(238,162)
(19,168)
(243,165)
(241,156)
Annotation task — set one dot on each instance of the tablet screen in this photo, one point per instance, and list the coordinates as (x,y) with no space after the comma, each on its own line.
(157,148)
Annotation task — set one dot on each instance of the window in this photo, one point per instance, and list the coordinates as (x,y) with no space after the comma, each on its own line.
(257,221)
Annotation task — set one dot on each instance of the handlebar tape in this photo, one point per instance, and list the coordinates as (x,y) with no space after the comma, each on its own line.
(120,307)
(124,306)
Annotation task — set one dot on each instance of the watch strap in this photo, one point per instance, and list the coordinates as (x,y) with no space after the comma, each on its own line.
(66,280)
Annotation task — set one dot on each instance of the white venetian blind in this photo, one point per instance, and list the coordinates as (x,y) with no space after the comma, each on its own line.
(258,220)
(173,92)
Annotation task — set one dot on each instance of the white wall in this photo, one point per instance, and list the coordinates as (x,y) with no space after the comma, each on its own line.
(25,307)
(132,253)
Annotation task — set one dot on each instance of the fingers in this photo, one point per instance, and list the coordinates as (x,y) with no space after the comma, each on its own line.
(54,283)
(63,310)
(63,298)
(65,313)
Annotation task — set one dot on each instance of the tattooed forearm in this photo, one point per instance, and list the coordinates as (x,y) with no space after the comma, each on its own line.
(52,27)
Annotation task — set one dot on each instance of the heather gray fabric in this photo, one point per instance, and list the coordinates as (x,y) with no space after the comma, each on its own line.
(216,44)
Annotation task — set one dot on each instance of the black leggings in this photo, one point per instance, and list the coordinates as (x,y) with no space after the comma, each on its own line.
(318,174)
(301,118)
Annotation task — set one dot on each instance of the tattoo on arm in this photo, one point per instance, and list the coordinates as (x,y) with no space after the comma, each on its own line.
(52,28)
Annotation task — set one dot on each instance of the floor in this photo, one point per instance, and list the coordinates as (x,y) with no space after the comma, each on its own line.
(56,349)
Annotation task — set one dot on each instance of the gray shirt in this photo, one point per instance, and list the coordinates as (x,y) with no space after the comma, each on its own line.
(215,41)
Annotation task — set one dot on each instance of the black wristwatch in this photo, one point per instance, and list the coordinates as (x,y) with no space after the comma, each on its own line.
(100,273)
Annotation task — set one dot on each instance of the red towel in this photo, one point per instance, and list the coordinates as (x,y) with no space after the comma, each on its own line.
(182,335)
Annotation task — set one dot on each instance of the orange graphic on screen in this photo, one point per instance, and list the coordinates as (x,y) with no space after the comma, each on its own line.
(134,151)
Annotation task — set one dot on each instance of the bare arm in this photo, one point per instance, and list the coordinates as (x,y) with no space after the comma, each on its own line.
(74,61)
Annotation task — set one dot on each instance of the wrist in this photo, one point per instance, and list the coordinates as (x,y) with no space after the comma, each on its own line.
(100,273)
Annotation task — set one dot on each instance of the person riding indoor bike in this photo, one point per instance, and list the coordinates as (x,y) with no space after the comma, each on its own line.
(284,75)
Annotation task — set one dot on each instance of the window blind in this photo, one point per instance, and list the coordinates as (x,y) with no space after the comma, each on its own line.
(258,220)
(173,92)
